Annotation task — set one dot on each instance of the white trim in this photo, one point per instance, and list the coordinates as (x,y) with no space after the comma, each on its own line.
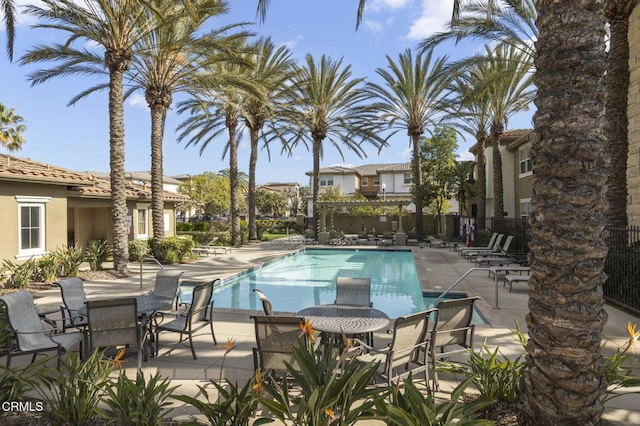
(526,174)
(31,199)
(40,204)
(144,208)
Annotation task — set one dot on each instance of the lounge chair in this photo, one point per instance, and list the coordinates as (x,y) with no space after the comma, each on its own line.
(453,331)
(267,307)
(276,336)
(211,248)
(499,252)
(412,238)
(407,345)
(494,249)
(387,239)
(199,315)
(74,299)
(114,323)
(27,335)
(489,245)
(436,242)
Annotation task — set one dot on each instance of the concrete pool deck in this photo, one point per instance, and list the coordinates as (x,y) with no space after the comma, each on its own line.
(438,268)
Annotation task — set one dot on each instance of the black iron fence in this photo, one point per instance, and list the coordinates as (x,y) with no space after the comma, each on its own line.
(622,267)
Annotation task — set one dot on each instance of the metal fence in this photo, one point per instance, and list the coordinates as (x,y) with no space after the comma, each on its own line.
(622,267)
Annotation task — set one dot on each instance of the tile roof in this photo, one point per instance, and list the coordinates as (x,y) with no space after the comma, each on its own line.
(373,169)
(521,140)
(334,170)
(400,167)
(26,170)
(133,191)
(364,170)
(143,176)
(507,138)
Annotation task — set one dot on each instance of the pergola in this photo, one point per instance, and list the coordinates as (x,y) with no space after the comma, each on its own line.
(400,202)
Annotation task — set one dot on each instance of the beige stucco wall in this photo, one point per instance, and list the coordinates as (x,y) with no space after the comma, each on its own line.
(633,160)
(55,215)
(523,186)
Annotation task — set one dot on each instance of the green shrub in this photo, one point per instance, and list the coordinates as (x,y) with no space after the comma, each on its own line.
(69,260)
(184,227)
(139,249)
(48,268)
(73,391)
(15,383)
(202,226)
(19,275)
(138,402)
(174,249)
(97,253)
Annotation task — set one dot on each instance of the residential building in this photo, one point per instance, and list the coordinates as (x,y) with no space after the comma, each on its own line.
(633,159)
(291,191)
(43,207)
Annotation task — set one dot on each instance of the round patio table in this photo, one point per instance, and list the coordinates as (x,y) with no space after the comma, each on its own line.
(345,319)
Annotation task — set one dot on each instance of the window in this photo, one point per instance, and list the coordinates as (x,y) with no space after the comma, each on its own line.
(364,181)
(524,154)
(376,181)
(326,181)
(142,221)
(31,225)
(525,208)
(407,178)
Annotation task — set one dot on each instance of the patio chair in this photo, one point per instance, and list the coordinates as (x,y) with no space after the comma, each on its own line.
(198,316)
(494,249)
(114,323)
(275,338)
(412,238)
(353,291)
(387,239)
(408,343)
(489,245)
(26,333)
(453,331)
(167,287)
(266,303)
(498,252)
(74,299)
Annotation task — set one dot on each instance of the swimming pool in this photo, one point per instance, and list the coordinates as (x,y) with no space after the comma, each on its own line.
(307,278)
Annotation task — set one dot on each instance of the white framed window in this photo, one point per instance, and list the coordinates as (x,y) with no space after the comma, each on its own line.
(364,181)
(142,221)
(524,154)
(31,225)
(407,178)
(167,222)
(525,208)
(326,181)
(376,181)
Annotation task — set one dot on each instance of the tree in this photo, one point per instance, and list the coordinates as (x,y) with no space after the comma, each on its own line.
(11,129)
(464,185)
(272,70)
(564,383)
(329,105)
(410,100)
(263,5)
(209,193)
(617,81)
(439,168)
(115,27)
(270,202)
(9,11)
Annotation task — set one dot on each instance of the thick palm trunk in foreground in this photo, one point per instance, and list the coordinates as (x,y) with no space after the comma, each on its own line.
(564,383)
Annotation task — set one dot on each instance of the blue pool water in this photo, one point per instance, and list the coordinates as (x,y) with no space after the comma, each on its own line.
(308,277)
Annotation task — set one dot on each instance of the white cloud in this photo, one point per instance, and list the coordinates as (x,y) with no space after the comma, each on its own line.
(404,154)
(292,43)
(137,101)
(465,156)
(374,26)
(434,17)
(298,158)
(389,4)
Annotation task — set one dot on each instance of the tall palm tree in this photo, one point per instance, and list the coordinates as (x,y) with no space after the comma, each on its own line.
(215,108)
(168,60)
(410,99)
(617,81)
(273,69)
(564,383)
(464,185)
(11,129)
(114,26)
(469,109)
(8,8)
(331,106)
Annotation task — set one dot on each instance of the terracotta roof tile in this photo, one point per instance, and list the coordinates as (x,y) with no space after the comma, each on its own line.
(24,169)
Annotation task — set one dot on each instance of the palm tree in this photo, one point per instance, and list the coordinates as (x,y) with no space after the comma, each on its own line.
(11,129)
(9,11)
(168,60)
(410,100)
(564,383)
(618,12)
(330,105)
(273,69)
(263,5)
(464,184)
(114,26)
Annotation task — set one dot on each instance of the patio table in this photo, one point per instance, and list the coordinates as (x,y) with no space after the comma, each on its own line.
(47,309)
(345,319)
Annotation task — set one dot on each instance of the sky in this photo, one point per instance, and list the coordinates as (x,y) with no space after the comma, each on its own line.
(77,137)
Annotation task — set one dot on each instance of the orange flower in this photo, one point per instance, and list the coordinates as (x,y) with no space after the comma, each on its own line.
(229,345)
(307,329)
(258,379)
(633,334)
(117,361)
(349,343)
(332,416)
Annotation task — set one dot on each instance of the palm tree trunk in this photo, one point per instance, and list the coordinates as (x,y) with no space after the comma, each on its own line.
(117,177)
(498,189)
(617,80)
(481,138)
(253,160)
(232,124)
(157,199)
(317,144)
(417,184)
(564,382)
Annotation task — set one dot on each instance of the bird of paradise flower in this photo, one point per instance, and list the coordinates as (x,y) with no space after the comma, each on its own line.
(633,335)
(228,346)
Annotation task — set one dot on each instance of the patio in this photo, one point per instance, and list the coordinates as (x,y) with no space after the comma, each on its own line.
(437,268)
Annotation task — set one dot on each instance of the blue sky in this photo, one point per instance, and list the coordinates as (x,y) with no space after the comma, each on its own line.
(77,137)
